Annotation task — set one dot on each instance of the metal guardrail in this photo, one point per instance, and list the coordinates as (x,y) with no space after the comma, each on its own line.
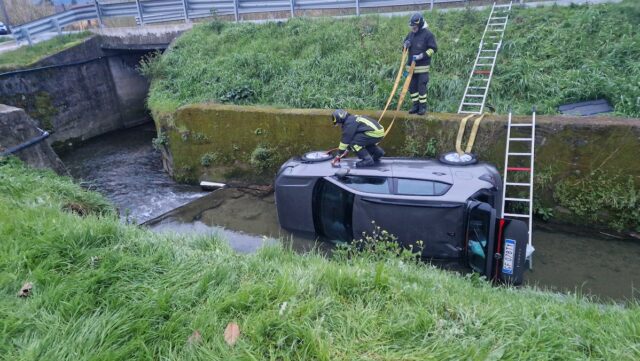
(155,11)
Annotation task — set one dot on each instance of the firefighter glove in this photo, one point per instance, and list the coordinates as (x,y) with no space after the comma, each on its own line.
(407,44)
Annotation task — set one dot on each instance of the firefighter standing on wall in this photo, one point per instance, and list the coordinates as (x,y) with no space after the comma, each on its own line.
(421,45)
(362,135)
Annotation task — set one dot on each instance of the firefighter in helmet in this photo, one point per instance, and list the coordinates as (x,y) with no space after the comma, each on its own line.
(360,134)
(421,45)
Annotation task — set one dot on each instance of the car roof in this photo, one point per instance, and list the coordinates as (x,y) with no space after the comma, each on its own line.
(465,180)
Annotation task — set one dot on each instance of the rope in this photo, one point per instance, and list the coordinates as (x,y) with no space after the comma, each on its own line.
(472,137)
(403,60)
(405,88)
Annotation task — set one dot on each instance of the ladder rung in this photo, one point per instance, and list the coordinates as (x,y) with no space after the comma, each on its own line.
(518,169)
(477,87)
(499,17)
(484,64)
(519,154)
(516,215)
(517,184)
(474,96)
(486,57)
(501,6)
(487,72)
(517,199)
(496,24)
(468,112)
(489,50)
(521,125)
(474,104)
(520,139)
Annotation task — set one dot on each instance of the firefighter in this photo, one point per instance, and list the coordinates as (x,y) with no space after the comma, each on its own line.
(421,45)
(360,134)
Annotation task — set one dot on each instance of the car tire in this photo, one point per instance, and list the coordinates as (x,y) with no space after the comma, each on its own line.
(452,158)
(316,156)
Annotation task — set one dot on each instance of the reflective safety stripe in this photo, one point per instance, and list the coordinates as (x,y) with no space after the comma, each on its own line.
(420,69)
(356,147)
(343,146)
(430,52)
(376,132)
(423,100)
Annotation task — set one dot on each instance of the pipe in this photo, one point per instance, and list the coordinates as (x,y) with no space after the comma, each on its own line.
(26,144)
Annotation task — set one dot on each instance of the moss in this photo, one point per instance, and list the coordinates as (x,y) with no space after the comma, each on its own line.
(611,199)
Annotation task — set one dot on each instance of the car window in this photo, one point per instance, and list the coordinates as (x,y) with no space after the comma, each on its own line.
(417,187)
(366,184)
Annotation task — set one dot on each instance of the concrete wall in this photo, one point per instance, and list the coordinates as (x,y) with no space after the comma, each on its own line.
(80,101)
(216,142)
(16,128)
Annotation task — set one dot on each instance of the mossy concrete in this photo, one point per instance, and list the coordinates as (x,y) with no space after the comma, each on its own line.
(568,149)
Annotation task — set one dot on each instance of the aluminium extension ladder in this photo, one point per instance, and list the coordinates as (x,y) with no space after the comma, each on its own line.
(523,157)
(475,94)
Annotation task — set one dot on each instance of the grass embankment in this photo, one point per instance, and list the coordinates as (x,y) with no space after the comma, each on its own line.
(551,56)
(26,56)
(108,291)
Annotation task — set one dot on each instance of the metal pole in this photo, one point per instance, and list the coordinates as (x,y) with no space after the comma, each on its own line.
(98,12)
(26,34)
(140,12)
(56,24)
(292,8)
(235,8)
(357,7)
(431,8)
(185,6)
(5,13)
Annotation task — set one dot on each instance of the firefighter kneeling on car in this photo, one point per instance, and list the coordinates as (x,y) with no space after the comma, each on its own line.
(360,134)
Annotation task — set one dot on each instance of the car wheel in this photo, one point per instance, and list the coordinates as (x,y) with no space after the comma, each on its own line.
(316,156)
(453,158)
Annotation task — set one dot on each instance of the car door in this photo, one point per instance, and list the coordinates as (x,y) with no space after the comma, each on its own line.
(480,238)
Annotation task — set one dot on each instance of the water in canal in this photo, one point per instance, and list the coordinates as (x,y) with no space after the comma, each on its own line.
(125,167)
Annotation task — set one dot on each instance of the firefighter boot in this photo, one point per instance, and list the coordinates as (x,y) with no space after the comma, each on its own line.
(422,109)
(376,153)
(415,108)
(365,159)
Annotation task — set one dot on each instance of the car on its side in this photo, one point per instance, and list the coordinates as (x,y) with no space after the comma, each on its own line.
(451,209)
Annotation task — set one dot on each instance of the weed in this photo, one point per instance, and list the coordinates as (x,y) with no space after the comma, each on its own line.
(263,158)
(210,158)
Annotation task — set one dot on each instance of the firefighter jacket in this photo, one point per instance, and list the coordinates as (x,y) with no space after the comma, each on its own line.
(358,127)
(422,41)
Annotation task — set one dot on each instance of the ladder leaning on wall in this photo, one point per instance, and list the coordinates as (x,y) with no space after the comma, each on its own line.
(517,191)
(475,94)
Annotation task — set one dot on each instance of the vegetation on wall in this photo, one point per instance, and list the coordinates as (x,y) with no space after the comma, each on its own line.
(551,56)
(28,55)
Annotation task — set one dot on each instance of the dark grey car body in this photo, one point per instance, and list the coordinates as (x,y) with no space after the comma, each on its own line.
(413,199)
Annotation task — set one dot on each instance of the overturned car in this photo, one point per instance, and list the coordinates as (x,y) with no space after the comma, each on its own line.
(451,209)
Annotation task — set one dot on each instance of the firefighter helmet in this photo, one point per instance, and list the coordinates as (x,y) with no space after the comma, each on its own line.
(339,116)
(417,20)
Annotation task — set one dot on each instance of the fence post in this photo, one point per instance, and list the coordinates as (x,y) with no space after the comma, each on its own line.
(98,12)
(235,9)
(357,7)
(139,7)
(185,6)
(292,7)
(431,8)
(56,24)
(26,34)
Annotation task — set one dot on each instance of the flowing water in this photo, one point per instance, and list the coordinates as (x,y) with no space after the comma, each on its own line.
(125,167)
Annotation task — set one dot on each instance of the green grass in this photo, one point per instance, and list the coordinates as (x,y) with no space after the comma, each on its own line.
(551,56)
(108,291)
(26,56)
(5,38)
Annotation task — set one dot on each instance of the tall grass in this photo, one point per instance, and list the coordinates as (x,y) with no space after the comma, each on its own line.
(28,55)
(108,291)
(551,56)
